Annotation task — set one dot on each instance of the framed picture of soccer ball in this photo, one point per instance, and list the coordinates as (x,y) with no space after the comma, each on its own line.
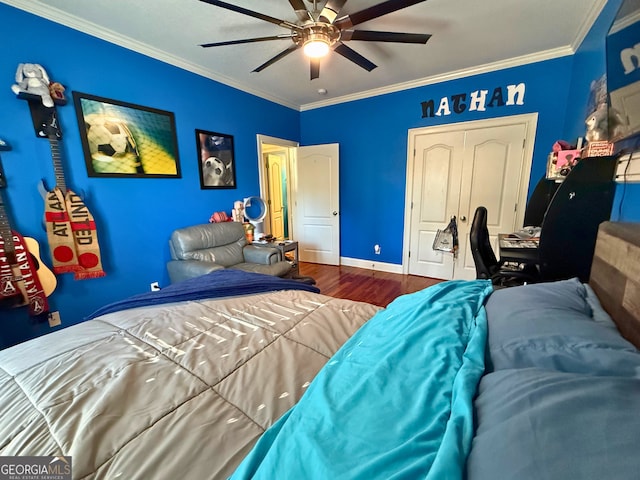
(125,140)
(215,160)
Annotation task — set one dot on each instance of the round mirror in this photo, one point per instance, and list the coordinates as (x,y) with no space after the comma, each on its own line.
(255,209)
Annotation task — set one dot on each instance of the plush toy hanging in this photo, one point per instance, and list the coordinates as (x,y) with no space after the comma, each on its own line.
(32,79)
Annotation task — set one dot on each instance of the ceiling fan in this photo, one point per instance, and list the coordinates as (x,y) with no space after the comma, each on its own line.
(319,31)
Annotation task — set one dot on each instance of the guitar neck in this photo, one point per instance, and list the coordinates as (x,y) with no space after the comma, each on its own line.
(57,163)
(5,227)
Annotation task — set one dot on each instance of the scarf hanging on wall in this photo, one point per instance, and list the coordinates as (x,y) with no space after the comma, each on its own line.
(19,283)
(72,236)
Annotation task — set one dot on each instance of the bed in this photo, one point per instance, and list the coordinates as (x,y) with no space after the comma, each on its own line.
(227,376)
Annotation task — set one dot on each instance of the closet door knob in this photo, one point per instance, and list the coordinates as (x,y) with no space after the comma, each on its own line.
(463,218)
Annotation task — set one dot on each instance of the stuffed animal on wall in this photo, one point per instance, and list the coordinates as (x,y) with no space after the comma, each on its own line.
(56,90)
(597,124)
(31,78)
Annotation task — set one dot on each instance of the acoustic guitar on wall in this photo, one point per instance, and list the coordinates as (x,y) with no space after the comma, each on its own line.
(18,279)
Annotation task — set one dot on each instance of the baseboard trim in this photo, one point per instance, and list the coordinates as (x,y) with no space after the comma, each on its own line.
(371,265)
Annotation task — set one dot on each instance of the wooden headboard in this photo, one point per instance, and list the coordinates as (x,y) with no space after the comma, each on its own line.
(615,275)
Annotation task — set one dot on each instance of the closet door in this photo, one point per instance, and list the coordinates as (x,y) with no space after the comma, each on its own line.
(455,169)
(437,175)
(492,168)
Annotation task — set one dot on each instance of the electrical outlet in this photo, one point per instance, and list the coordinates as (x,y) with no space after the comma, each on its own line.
(154,287)
(376,249)
(54,319)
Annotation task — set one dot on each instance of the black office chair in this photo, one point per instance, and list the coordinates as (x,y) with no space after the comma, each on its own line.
(487,265)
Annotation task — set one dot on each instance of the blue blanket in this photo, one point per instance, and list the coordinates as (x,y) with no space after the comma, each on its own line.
(395,402)
(221,283)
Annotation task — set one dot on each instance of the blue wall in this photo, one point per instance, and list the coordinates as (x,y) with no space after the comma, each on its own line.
(134,216)
(373,137)
(372,134)
(590,64)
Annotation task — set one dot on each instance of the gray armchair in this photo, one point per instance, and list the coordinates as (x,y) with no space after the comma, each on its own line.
(201,249)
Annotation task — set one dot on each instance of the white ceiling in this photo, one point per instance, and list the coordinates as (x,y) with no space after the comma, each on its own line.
(469,36)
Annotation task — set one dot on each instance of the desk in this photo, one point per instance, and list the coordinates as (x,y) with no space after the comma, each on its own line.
(514,249)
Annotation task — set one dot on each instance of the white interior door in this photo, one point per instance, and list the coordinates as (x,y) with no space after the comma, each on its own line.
(492,170)
(316,200)
(276,176)
(286,150)
(437,172)
(453,170)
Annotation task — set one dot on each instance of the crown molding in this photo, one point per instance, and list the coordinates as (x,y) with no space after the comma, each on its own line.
(97,31)
(588,22)
(457,74)
(107,35)
(586,25)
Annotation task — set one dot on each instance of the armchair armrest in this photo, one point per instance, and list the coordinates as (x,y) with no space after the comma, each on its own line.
(261,255)
(184,269)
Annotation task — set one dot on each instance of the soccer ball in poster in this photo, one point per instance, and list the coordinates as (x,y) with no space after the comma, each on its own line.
(214,171)
(109,137)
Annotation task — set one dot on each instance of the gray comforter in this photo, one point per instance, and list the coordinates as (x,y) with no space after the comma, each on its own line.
(171,391)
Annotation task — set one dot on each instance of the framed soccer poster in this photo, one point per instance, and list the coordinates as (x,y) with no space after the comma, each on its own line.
(215,160)
(125,140)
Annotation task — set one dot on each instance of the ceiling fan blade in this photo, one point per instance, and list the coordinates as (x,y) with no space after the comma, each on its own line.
(354,56)
(251,13)
(370,13)
(331,10)
(370,36)
(247,40)
(315,68)
(301,10)
(279,56)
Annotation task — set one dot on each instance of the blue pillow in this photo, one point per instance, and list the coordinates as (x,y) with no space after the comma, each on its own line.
(598,313)
(551,326)
(564,295)
(535,424)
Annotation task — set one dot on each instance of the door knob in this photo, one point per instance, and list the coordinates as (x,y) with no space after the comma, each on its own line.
(335,213)
(463,218)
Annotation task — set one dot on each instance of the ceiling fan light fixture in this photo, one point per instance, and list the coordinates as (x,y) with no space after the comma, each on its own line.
(316,48)
(317,39)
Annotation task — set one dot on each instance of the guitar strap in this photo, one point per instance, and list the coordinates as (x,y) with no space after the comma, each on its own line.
(8,284)
(22,279)
(72,236)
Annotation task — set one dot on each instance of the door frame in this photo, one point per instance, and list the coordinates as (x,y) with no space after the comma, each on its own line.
(531,119)
(265,142)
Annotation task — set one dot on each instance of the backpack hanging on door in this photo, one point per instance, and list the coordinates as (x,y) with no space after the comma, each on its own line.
(447,240)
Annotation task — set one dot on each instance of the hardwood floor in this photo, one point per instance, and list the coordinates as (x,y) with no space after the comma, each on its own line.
(363,285)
